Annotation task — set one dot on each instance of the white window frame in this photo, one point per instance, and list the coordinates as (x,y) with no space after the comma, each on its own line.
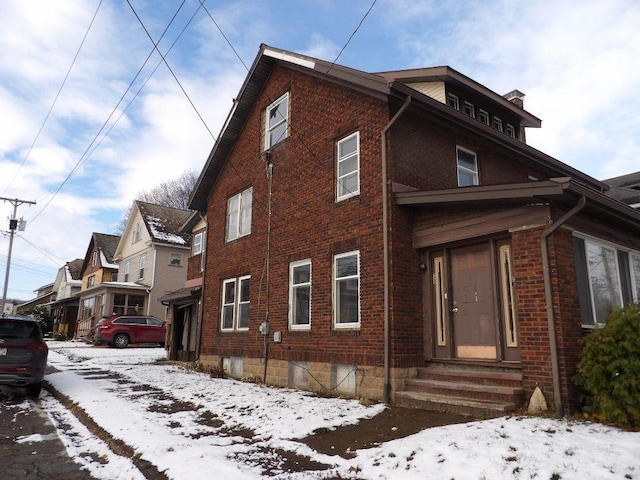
(136,235)
(469,109)
(497,124)
(609,246)
(453,101)
(268,129)
(342,192)
(634,269)
(198,245)
(238,223)
(465,169)
(94,258)
(294,288)
(483,116)
(336,291)
(511,130)
(127,270)
(142,266)
(236,303)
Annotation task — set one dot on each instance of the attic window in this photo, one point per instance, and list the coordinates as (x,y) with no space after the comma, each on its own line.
(511,131)
(136,235)
(453,102)
(277,121)
(469,109)
(497,124)
(483,116)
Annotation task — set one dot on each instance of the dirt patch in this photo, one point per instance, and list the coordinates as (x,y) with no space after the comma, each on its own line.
(394,422)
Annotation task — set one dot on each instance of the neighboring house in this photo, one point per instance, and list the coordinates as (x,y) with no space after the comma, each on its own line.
(392,236)
(625,188)
(44,296)
(98,267)
(150,255)
(64,305)
(184,305)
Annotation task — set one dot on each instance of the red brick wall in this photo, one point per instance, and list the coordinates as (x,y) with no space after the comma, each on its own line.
(306,222)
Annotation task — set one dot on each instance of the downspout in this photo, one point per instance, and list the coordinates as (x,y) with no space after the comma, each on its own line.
(385,248)
(553,346)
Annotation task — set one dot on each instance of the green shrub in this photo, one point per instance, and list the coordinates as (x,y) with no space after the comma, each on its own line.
(609,369)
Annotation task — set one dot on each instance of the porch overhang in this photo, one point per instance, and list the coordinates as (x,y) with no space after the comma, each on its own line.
(183,295)
(563,191)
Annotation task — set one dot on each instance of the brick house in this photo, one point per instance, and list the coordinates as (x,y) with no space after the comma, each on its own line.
(390,235)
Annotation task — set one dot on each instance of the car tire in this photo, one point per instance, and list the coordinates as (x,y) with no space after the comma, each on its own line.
(121,340)
(33,390)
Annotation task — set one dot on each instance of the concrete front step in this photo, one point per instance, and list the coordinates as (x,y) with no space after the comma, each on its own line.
(475,375)
(450,404)
(472,391)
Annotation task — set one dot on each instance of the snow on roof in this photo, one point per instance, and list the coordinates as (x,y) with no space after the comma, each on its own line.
(105,263)
(157,226)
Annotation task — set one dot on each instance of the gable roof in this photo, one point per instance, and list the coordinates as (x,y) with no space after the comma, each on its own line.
(104,243)
(392,87)
(625,188)
(163,223)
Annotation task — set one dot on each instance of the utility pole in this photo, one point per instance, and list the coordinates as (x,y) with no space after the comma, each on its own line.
(13,224)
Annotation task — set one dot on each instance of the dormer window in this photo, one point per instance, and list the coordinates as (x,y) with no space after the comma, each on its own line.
(469,110)
(511,131)
(453,102)
(483,116)
(497,124)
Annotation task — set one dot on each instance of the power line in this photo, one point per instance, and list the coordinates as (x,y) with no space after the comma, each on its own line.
(85,155)
(46,118)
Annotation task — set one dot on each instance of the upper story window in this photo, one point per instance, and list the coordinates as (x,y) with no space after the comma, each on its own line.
(136,235)
(469,109)
(497,124)
(235,303)
(91,281)
(114,276)
(277,121)
(175,259)
(94,258)
(348,168)
(239,214)
(143,265)
(127,271)
(511,131)
(198,243)
(467,167)
(483,116)
(300,295)
(346,290)
(452,101)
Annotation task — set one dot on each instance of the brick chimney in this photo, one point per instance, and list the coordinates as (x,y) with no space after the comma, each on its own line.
(517,98)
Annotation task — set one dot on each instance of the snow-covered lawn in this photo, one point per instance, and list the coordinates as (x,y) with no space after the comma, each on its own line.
(192,426)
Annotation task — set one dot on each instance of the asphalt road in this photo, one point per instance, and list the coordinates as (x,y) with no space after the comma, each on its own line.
(29,446)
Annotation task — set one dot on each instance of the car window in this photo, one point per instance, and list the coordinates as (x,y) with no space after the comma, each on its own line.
(154,321)
(19,329)
(103,320)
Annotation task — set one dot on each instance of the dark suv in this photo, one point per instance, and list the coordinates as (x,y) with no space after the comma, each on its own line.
(23,353)
(121,330)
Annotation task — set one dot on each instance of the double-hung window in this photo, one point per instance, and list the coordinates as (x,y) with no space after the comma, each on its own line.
(136,235)
(469,109)
(467,167)
(277,121)
(300,295)
(453,102)
(197,243)
(143,265)
(235,303)
(127,271)
(346,290)
(483,116)
(239,214)
(497,124)
(348,168)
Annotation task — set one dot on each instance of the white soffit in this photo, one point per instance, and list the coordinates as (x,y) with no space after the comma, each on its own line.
(289,58)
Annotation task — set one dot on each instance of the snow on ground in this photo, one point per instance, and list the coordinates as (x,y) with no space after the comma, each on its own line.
(192,426)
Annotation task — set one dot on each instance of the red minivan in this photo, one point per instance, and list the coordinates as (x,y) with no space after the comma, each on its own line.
(121,330)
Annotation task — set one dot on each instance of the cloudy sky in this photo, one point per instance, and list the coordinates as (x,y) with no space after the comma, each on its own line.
(90,115)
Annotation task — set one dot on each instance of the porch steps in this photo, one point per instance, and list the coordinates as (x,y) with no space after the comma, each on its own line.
(473,390)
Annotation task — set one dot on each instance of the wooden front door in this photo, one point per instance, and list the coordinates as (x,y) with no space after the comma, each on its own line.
(472,303)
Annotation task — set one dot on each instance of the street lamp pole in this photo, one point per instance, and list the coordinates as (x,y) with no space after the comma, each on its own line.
(13,224)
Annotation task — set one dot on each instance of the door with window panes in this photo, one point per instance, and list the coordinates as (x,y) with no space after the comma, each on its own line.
(472,307)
